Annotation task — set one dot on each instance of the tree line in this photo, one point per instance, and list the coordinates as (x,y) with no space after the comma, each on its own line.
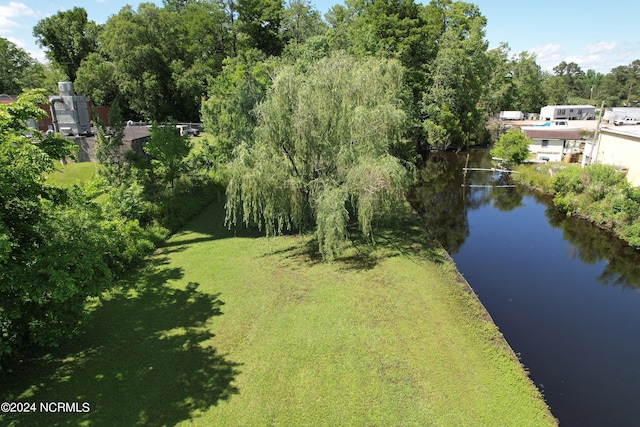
(164,62)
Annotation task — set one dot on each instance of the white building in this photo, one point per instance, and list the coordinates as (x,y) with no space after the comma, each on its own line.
(568,112)
(549,143)
(615,113)
(619,147)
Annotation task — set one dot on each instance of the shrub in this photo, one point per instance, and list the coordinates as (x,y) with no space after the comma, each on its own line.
(601,179)
(562,203)
(568,180)
(513,147)
(631,234)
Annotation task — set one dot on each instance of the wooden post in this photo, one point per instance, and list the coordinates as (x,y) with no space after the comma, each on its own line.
(595,138)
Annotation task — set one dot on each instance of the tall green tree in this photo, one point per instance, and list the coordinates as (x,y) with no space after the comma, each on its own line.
(69,37)
(140,44)
(443,50)
(300,21)
(205,39)
(18,71)
(228,111)
(321,152)
(592,84)
(96,79)
(499,95)
(555,89)
(51,247)
(571,76)
(527,80)
(621,87)
(458,75)
(168,150)
(259,21)
(398,29)
(169,56)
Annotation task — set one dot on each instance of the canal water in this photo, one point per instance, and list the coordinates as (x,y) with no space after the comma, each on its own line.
(565,295)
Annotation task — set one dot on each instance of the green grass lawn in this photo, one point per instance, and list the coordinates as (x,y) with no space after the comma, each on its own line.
(72,173)
(219,330)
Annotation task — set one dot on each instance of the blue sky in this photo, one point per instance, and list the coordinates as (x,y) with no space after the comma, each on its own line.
(593,34)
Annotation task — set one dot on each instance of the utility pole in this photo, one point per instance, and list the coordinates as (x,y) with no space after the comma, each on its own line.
(595,138)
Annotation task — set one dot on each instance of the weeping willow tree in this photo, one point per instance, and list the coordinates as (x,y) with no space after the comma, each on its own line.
(321,155)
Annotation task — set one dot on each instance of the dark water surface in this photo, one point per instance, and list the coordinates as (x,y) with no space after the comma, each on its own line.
(565,295)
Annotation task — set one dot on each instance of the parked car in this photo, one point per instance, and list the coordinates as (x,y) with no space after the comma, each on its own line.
(188,130)
(626,121)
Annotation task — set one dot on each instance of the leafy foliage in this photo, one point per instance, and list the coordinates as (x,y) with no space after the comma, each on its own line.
(228,111)
(321,152)
(58,246)
(96,79)
(259,21)
(18,71)
(43,271)
(69,37)
(458,74)
(596,192)
(515,83)
(168,150)
(512,147)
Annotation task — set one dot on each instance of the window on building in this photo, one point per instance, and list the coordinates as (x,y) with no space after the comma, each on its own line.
(545,142)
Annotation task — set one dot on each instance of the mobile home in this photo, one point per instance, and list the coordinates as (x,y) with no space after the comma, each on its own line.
(568,112)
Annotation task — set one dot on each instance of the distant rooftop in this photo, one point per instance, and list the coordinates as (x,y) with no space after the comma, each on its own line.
(552,133)
(632,131)
(133,133)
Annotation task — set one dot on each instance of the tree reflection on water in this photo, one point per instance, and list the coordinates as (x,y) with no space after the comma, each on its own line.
(443,198)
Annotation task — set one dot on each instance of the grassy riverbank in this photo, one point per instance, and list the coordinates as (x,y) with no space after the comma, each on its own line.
(253,331)
(597,193)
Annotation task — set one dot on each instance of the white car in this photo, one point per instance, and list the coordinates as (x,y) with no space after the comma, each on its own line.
(626,121)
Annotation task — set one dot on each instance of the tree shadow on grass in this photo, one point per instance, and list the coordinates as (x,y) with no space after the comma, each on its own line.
(210,225)
(402,236)
(143,359)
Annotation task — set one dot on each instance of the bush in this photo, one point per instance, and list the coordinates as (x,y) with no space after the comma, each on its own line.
(631,234)
(602,179)
(513,147)
(568,180)
(563,204)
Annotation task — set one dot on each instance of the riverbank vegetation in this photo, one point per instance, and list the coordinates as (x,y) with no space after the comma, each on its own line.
(598,193)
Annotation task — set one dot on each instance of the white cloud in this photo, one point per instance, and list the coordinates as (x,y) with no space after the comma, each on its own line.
(38,55)
(601,47)
(605,56)
(601,57)
(550,55)
(18,42)
(9,13)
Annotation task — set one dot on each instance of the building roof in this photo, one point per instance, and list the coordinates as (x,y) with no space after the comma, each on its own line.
(133,133)
(625,131)
(552,133)
(569,106)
